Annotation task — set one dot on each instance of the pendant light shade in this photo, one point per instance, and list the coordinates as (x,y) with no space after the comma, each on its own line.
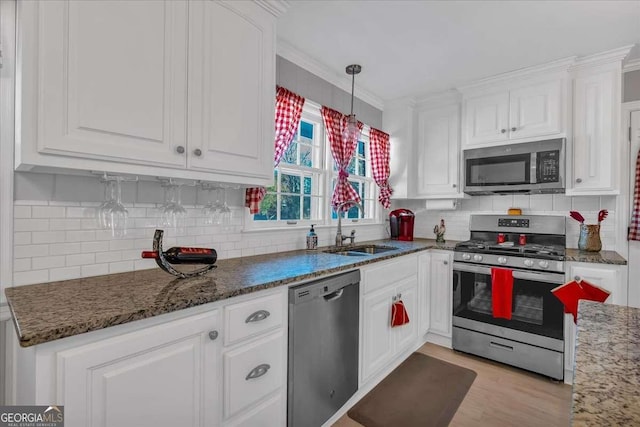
(351,130)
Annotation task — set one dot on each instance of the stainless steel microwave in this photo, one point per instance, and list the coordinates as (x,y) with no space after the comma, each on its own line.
(525,168)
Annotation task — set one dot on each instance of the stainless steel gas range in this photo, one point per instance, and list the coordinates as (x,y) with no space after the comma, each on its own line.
(532,248)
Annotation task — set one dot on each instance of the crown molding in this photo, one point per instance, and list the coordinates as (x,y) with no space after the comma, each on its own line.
(405,102)
(602,58)
(275,7)
(559,65)
(290,53)
(632,65)
(447,97)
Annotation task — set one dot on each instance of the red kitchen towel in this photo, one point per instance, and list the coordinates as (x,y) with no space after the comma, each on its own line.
(570,293)
(501,292)
(399,314)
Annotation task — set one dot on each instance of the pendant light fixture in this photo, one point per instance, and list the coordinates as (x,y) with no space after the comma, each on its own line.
(351,130)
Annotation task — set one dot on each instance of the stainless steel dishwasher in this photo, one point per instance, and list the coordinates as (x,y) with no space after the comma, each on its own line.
(323,348)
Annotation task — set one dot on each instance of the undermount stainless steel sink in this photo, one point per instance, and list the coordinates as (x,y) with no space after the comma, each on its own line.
(360,250)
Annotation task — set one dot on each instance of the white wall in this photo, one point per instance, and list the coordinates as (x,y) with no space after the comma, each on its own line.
(457,221)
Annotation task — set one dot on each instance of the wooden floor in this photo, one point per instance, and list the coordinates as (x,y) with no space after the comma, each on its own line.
(501,395)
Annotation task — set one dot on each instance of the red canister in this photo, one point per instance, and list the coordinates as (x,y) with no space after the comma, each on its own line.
(500,237)
(522,240)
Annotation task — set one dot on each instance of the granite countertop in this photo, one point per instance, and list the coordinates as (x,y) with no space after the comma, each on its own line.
(49,311)
(606,383)
(602,257)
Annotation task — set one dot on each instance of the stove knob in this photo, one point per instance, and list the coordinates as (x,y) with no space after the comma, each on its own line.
(543,264)
(477,258)
(528,262)
(466,257)
(502,260)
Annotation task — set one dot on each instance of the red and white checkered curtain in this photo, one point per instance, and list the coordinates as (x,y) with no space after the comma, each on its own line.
(342,150)
(379,149)
(288,114)
(634,226)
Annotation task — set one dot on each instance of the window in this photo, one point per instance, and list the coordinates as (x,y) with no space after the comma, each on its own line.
(305,178)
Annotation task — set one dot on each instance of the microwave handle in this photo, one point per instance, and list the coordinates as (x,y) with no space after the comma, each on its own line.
(517,274)
(533,167)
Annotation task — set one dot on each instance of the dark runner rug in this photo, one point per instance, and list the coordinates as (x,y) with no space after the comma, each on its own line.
(422,391)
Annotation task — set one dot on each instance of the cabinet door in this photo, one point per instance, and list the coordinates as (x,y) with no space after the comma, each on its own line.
(441,293)
(166,375)
(487,119)
(608,278)
(594,131)
(438,148)
(377,336)
(535,110)
(424,269)
(407,334)
(105,80)
(231,88)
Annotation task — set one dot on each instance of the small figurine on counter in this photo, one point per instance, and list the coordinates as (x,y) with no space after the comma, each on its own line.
(439,231)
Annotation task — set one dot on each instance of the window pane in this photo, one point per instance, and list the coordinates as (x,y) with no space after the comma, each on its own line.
(362,167)
(268,209)
(352,167)
(306,208)
(291,155)
(361,148)
(290,184)
(307,185)
(306,157)
(355,185)
(306,130)
(354,212)
(290,208)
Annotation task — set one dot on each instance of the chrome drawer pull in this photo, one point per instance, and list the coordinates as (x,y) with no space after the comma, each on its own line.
(257,316)
(500,346)
(258,371)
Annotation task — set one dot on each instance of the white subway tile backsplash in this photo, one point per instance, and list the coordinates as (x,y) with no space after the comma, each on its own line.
(81,236)
(144,264)
(117,245)
(65,248)
(22,238)
(80,259)
(111,256)
(94,270)
(30,224)
(52,261)
(64,273)
(501,203)
(81,212)
(120,267)
(561,203)
(47,236)
(22,264)
(29,277)
(585,203)
(98,246)
(65,224)
(30,251)
(21,212)
(48,212)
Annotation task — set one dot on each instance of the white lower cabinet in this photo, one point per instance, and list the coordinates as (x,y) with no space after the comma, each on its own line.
(380,342)
(613,278)
(165,375)
(441,293)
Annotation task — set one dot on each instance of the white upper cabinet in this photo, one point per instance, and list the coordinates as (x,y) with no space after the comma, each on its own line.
(231,88)
(596,122)
(160,88)
(522,112)
(438,148)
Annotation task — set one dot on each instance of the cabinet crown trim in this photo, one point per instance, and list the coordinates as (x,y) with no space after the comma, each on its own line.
(560,65)
(275,7)
(602,58)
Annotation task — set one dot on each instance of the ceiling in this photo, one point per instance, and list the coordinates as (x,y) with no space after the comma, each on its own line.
(414,48)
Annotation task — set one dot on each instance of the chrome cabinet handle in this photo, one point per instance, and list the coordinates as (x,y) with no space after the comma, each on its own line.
(578,180)
(576,278)
(445,262)
(197,152)
(213,335)
(180,149)
(258,371)
(503,130)
(513,129)
(453,185)
(500,346)
(257,316)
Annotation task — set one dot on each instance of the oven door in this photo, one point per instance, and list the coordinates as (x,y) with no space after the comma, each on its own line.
(535,310)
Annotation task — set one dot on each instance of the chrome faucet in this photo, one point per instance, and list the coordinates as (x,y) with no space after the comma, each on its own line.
(339,237)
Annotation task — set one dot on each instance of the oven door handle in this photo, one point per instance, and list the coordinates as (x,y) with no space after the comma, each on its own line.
(517,274)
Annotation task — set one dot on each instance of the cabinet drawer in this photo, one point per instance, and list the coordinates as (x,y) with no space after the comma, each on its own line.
(252,371)
(389,273)
(252,317)
(267,414)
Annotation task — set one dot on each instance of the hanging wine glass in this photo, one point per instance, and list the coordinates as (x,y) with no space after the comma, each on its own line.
(211,210)
(117,213)
(225,212)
